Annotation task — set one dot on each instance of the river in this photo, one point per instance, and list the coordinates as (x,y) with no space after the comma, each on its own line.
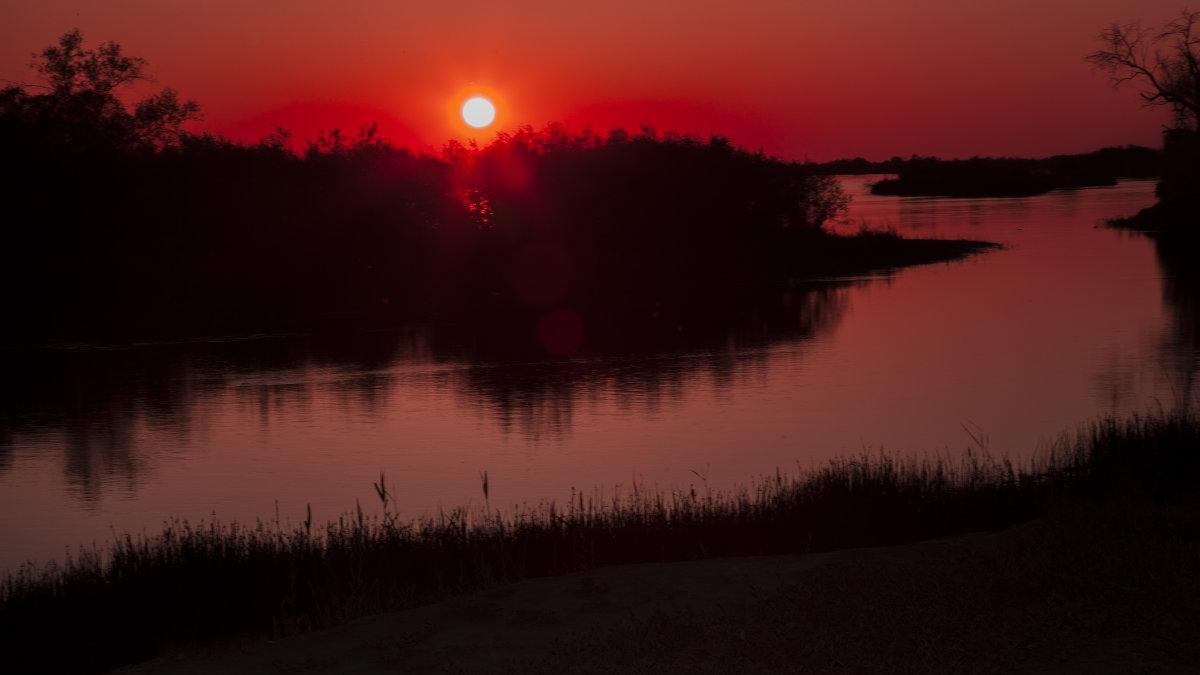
(1005,350)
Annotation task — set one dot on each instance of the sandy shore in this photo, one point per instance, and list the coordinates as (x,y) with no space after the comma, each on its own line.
(1098,590)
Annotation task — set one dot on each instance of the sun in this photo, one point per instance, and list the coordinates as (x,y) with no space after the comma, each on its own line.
(478,112)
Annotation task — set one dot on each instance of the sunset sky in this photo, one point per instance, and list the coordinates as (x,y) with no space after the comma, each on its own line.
(814,79)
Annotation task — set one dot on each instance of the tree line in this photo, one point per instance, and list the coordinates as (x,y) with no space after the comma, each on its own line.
(120,223)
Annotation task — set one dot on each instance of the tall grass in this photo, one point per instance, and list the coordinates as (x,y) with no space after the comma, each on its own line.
(198,585)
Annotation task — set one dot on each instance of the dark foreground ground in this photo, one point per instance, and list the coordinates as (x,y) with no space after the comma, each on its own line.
(1106,587)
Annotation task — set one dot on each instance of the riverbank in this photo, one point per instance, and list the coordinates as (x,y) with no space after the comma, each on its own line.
(1163,220)
(1101,587)
(204,586)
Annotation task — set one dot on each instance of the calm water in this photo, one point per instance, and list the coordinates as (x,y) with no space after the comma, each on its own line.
(1068,322)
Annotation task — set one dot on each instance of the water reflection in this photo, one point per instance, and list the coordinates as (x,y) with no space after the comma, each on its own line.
(537,399)
(924,212)
(1171,358)
(1179,345)
(96,406)
(112,414)
(961,216)
(1069,321)
(91,405)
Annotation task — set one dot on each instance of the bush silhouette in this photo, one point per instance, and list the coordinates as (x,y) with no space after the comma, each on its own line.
(81,109)
(128,227)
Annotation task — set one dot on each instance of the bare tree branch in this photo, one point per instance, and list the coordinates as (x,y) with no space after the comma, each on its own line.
(1164,60)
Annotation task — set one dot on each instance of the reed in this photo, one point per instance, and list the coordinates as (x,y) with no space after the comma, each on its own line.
(193,586)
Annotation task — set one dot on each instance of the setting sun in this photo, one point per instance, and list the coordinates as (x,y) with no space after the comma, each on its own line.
(690,280)
(478,112)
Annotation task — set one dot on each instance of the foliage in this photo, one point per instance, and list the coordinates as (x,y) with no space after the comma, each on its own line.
(82,108)
(646,223)
(686,174)
(125,227)
(223,237)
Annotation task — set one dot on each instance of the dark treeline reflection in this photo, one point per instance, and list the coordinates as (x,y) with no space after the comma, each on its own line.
(92,404)
(1180,344)
(538,399)
(1176,345)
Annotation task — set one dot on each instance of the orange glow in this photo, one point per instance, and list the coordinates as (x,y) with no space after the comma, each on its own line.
(822,81)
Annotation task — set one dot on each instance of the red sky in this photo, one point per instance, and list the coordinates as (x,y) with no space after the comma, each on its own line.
(817,79)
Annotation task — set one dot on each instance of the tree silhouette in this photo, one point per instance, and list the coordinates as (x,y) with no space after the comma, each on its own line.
(81,107)
(1164,60)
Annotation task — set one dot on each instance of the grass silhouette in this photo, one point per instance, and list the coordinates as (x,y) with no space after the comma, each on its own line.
(212,583)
